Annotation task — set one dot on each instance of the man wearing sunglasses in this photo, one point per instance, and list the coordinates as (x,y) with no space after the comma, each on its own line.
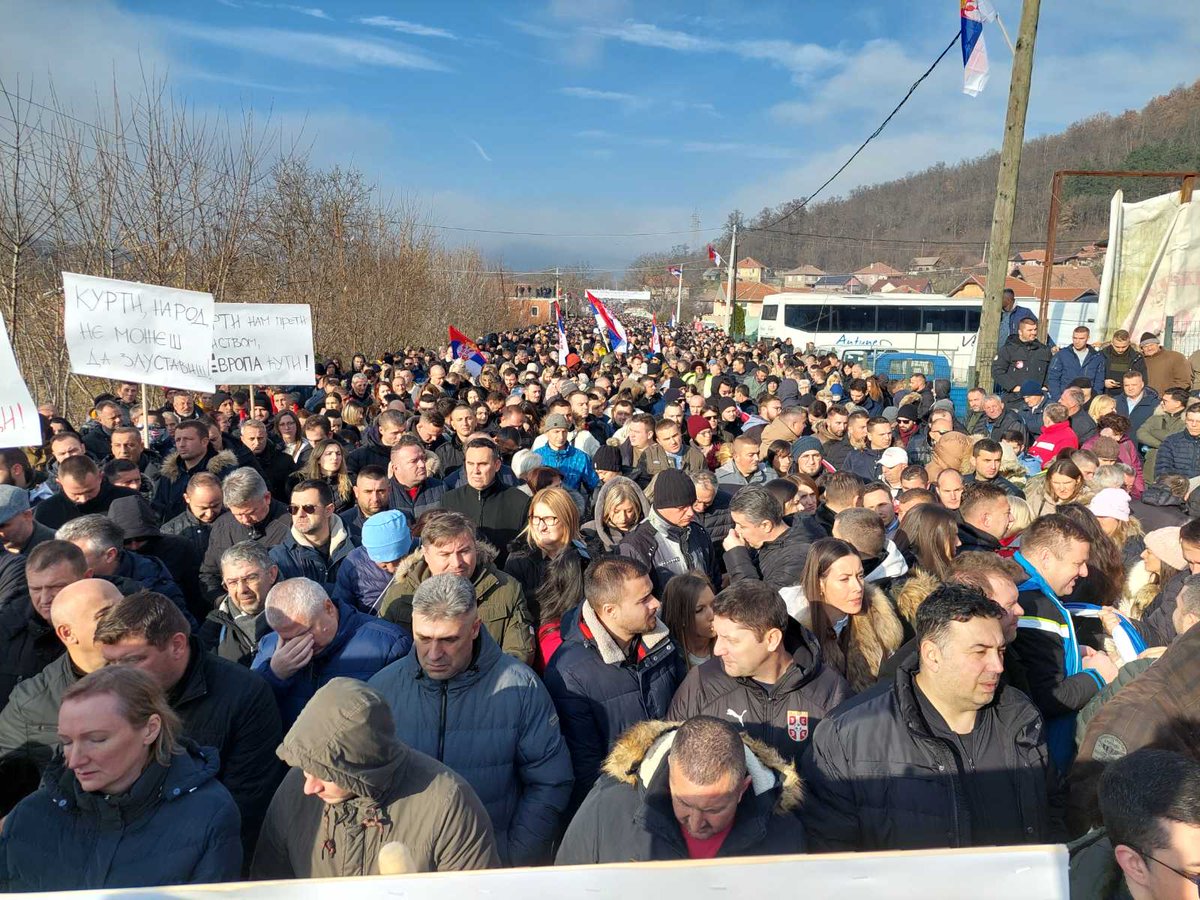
(318,541)
(1149,848)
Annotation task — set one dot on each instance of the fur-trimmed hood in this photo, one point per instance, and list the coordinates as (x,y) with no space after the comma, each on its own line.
(642,750)
(919,585)
(172,465)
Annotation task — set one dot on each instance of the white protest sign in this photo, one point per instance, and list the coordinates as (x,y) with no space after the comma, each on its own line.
(263,343)
(19,423)
(131,331)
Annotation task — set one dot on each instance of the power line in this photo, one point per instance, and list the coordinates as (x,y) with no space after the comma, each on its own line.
(874,134)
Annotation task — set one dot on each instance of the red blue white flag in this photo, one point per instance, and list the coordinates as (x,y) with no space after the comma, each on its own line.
(609,325)
(462,347)
(972,15)
(714,256)
(655,341)
(676,271)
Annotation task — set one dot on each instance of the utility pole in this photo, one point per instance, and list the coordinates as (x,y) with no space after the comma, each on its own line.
(1006,192)
(731,284)
(556,274)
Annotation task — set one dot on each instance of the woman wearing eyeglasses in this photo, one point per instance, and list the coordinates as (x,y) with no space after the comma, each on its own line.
(548,559)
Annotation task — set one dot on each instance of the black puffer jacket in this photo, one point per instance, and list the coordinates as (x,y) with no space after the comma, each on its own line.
(879,779)
(782,715)
(1159,508)
(191,529)
(668,550)
(778,562)
(1017,362)
(628,815)
(499,512)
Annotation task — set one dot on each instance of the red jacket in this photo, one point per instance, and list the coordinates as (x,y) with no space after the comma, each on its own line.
(1053,439)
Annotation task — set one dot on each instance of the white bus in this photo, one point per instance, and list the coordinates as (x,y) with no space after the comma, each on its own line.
(867,324)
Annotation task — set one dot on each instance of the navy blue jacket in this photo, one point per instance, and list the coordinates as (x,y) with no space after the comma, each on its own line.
(360,582)
(428,497)
(296,560)
(1178,455)
(599,691)
(1065,368)
(153,576)
(363,645)
(1144,410)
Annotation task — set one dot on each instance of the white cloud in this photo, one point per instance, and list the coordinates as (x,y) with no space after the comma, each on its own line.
(584,93)
(647,35)
(310,11)
(309,48)
(414,28)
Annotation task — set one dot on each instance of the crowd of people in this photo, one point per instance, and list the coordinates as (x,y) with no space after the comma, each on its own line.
(718,600)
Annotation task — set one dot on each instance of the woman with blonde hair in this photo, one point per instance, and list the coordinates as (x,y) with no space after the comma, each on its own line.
(1022,518)
(855,622)
(549,558)
(127,802)
(1101,405)
(620,507)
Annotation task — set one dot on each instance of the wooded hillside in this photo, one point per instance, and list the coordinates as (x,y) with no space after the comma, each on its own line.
(950,206)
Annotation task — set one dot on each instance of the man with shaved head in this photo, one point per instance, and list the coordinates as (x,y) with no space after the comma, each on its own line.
(29,723)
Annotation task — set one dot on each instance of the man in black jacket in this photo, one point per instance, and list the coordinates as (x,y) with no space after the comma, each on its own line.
(766,673)
(27,640)
(378,442)
(693,791)
(761,545)
(276,465)
(413,489)
(499,512)
(142,535)
(193,453)
(84,491)
(233,629)
(946,756)
(987,455)
(220,704)
(1021,358)
(252,515)
(984,517)
(372,494)
(205,503)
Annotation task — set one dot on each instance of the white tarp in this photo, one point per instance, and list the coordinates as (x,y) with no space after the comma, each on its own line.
(1173,280)
(1000,873)
(131,331)
(19,423)
(623,296)
(1135,239)
(263,343)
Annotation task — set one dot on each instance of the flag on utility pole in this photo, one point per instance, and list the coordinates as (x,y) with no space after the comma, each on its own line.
(972,15)
(562,335)
(655,340)
(715,257)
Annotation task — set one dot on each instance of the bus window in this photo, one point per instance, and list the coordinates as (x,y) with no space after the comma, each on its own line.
(899,318)
(972,320)
(853,318)
(769,312)
(943,318)
(807,318)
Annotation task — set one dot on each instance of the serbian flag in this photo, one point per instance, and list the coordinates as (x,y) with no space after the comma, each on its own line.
(609,326)
(462,347)
(676,271)
(562,335)
(714,256)
(655,341)
(972,15)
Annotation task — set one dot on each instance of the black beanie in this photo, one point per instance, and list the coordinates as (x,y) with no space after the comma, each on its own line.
(673,488)
(909,411)
(607,459)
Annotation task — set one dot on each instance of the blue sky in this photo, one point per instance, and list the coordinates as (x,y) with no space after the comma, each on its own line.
(601,115)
